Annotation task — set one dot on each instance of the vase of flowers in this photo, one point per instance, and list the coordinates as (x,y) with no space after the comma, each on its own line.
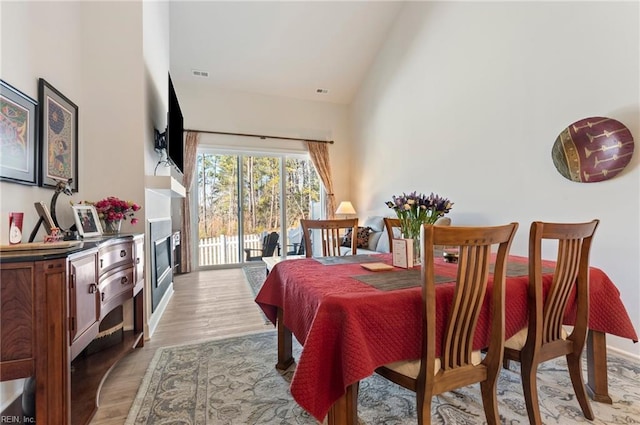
(414,210)
(110,227)
(112,211)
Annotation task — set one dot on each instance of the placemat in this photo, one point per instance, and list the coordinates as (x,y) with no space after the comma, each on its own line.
(391,281)
(520,269)
(347,259)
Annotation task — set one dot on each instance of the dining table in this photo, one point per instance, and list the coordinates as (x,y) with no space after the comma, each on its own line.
(350,320)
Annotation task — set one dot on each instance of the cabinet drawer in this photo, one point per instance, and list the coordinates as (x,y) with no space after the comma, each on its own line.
(116,287)
(112,256)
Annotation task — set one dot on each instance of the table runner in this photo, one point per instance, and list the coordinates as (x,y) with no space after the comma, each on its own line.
(403,279)
(347,259)
(348,328)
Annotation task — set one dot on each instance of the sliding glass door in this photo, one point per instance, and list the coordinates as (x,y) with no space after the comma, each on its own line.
(240,205)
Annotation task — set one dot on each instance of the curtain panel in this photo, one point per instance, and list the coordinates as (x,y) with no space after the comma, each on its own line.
(319,153)
(190,155)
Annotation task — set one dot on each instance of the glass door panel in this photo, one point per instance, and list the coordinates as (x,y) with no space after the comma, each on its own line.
(261,211)
(217,209)
(302,189)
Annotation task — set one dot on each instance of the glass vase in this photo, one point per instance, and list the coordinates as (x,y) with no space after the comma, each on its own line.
(111,227)
(415,236)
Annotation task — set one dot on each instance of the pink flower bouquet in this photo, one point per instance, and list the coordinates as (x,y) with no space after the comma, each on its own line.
(113,209)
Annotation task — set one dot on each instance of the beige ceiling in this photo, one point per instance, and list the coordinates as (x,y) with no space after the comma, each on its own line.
(279,48)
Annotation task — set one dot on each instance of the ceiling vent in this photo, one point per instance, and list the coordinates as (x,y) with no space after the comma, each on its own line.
(203,74)
(322,91)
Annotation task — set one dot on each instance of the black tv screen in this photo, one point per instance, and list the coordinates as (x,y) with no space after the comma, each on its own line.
(175,129)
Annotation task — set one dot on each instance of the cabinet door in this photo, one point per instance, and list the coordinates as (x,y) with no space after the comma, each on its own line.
(84,303)
(17,312)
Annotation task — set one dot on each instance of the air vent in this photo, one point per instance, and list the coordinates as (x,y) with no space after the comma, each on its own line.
(322,91)
(196,73)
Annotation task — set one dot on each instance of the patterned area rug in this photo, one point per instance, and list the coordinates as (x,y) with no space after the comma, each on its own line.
(234,381)
(255,275)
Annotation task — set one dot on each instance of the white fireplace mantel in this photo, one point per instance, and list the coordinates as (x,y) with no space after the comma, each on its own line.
(165,185)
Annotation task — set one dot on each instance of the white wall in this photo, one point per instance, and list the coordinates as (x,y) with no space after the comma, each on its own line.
(467,98)
(156,66)
(113,80)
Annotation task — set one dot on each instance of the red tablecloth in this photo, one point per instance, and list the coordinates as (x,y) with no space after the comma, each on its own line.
(348,328)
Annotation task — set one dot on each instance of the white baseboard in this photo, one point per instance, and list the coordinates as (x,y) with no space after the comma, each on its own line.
(627,355)
(155,317)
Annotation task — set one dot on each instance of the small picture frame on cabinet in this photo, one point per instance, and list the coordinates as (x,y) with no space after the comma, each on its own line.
(87,220)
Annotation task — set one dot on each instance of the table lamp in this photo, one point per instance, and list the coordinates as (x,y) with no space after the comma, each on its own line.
(345,208)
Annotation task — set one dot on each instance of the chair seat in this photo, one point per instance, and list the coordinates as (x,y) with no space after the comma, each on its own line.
(517,341)
(411,368)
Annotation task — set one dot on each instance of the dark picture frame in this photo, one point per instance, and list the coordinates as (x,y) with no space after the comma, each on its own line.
(18,136)
(58,137)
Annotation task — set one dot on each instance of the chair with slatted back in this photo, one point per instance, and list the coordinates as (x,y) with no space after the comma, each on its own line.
(389,224)
(328,233)
(545,338)
(459,363)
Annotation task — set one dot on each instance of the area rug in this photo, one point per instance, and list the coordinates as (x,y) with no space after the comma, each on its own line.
(233,381)
(255,275)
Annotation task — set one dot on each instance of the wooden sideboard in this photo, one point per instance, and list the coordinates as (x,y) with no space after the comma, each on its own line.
(52,302)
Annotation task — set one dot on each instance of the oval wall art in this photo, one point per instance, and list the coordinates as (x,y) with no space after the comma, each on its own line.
(592,150)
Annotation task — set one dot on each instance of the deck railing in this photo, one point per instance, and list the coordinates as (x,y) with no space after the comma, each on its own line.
(224,249)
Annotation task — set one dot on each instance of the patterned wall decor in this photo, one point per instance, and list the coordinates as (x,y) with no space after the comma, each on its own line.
(592,150)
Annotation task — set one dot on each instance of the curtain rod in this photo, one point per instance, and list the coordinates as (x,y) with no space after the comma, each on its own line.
(262,136)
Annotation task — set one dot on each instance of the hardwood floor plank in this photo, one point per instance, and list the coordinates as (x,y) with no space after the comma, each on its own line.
(206,305)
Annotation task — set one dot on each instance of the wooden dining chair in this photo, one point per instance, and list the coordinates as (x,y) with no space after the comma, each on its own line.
(459,364)
(330,237)
(389,224)
(545,338)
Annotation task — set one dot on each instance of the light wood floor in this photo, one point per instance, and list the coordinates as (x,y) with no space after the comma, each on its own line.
(205,305)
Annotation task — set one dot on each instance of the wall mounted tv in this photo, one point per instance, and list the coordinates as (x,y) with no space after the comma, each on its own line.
(175,129)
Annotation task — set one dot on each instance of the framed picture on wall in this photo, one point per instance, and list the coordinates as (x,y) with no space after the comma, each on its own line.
(87,220)
(58,137)
(18,136)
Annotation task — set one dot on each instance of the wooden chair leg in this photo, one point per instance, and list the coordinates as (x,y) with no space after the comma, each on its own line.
(489,390)
(575,372)
(423,409)
(529,386)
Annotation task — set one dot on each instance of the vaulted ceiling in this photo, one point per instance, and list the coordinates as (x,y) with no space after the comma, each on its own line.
(288,49)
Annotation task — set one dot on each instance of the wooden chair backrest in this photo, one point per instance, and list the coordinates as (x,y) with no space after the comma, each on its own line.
(572,270)
(389,224)
(330,237)
(475,256)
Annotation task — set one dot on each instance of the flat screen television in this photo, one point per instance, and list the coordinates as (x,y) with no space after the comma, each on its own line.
(175,129)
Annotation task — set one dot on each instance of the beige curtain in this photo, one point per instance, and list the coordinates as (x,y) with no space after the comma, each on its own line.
(190,153)
(319,153)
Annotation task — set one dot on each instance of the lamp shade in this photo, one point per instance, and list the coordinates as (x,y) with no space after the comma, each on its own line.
(345,208)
